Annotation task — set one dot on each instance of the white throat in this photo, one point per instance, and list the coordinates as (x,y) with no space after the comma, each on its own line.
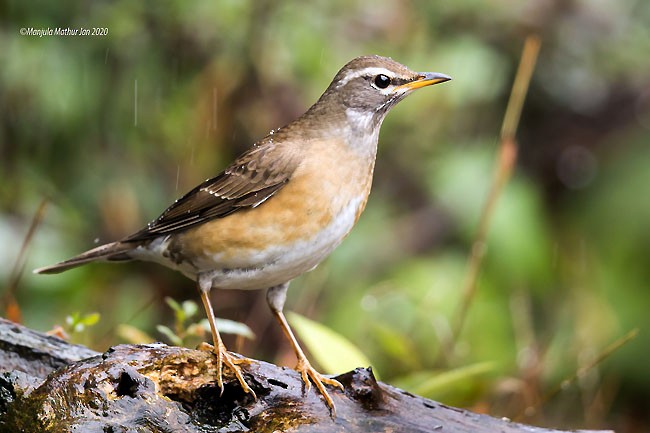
(363,130)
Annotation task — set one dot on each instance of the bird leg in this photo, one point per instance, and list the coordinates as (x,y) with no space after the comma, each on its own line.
(276,296)
(220,351)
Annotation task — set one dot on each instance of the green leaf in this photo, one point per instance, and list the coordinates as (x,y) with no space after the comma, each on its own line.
(226,326)
(72,319)
(182,312)
(189,308)
(429,383)
(90,319)
(173,304)
(171,336)
(333,352)
(398,345)
(78,323)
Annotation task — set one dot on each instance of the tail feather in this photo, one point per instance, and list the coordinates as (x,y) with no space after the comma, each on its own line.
(115,251)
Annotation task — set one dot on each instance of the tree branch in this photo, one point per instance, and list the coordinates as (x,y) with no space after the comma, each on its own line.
(48,385)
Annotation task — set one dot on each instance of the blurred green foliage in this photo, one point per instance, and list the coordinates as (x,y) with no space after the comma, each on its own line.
(113,128)
(187,333)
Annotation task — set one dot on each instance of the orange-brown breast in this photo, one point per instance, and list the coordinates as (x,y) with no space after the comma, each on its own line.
(329,177)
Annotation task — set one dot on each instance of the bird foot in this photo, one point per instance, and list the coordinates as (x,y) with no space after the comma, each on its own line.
(230,361)
(309,375)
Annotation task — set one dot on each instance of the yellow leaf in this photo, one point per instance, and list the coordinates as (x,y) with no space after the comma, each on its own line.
(133,335)
(332,351)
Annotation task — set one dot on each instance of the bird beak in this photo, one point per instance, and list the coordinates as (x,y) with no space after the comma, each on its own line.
(422,80)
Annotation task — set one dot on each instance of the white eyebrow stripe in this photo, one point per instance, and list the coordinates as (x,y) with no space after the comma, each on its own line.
(363,72)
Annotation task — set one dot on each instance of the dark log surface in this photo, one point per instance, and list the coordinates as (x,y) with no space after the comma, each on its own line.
(48,385)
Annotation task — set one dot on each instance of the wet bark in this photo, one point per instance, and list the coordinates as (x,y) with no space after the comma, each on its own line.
(48,385)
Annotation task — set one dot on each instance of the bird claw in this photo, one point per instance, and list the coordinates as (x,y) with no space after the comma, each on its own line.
(309,375)
(232,362)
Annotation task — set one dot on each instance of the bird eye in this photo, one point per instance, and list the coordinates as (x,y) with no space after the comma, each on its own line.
(382,81)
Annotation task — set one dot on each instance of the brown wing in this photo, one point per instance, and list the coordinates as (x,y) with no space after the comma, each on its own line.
(250,180)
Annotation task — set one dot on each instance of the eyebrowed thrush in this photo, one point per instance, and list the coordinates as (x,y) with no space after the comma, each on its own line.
(280,208)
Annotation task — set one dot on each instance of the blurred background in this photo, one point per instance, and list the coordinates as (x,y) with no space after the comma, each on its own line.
(111,129)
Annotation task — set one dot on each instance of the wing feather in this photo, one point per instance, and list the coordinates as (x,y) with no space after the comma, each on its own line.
(249,181)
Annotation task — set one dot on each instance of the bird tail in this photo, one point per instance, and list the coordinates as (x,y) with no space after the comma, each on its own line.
(115,251)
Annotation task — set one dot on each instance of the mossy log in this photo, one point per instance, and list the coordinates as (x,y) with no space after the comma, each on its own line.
(48,385)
